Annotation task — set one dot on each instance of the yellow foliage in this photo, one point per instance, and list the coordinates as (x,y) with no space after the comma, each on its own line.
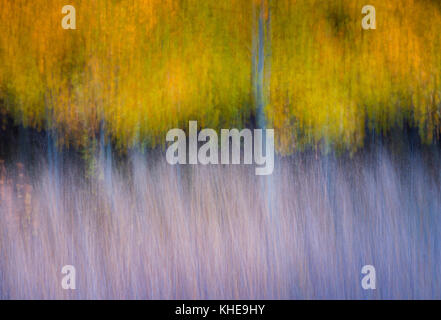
(329,77)
(137,68)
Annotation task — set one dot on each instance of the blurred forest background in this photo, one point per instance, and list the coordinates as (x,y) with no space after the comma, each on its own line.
(135,227)
(134,69)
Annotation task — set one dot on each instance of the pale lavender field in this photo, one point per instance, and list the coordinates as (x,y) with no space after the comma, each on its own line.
(143,229)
